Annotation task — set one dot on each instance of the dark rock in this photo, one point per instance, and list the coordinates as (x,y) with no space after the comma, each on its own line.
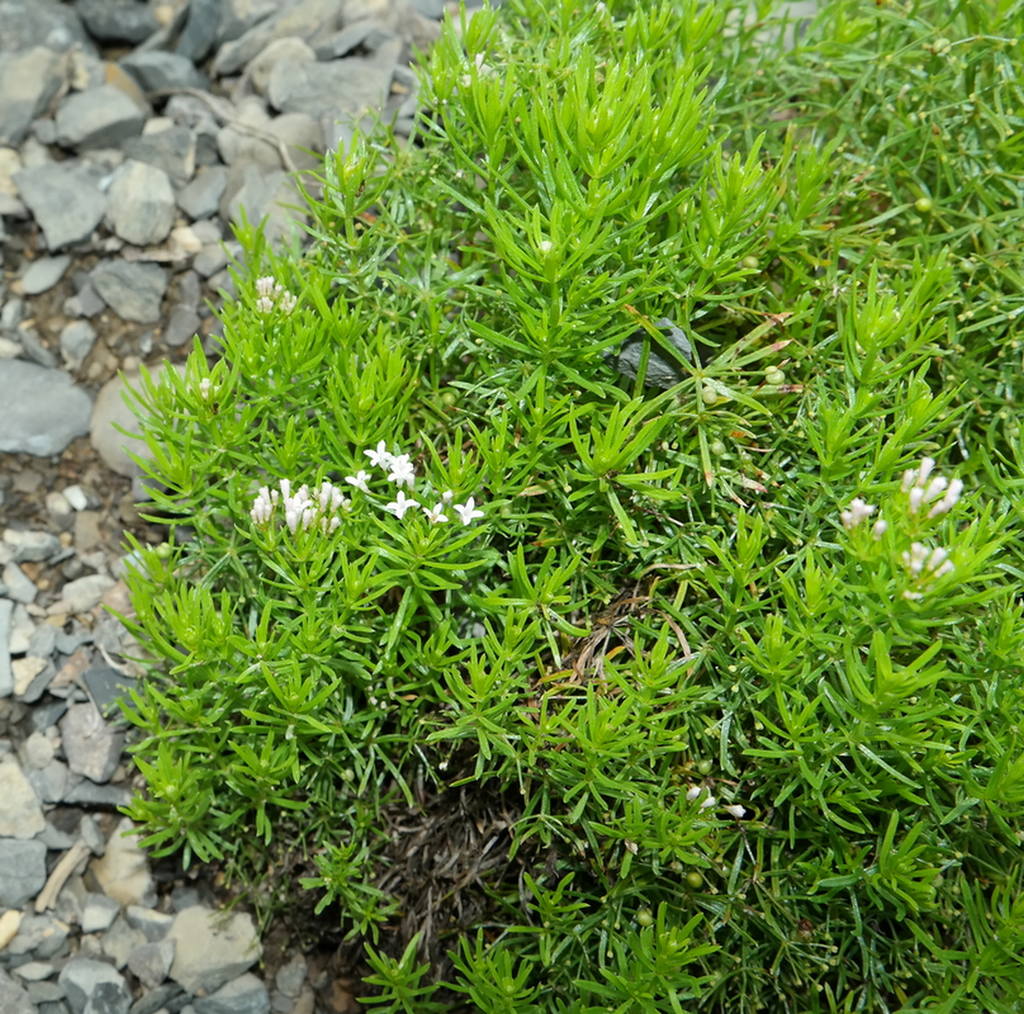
(172,150)
(157,71)
(117,20)
(22,872)
(132,290)
(43,410)
(28,83)
(64,200)
(97,118)
(367,34)
(201,29)
(106,686)
(661,372)
(150,962)
(92,747)
(90,983)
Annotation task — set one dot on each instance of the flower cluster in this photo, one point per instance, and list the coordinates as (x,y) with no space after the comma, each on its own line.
(920,492)
(301,508)
(696,791)
(271,294)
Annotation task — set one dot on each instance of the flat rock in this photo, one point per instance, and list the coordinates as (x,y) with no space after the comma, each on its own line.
(43,410)
(117,20)
(287,48)
(13,998)
(22,872)
(123,870)
(98,913)
(173,150)
(140,205)
(76,341)
(156,71)
(82,594)
(43,274)
(244,995)
(92,747)
(28,83)
(343,89)
(30,547)
(202,196)
(20,813)
(29,23)
(94,985)
(212,948)
(151,962)
(131,289)
(64,200)
(202,24)
(98,117)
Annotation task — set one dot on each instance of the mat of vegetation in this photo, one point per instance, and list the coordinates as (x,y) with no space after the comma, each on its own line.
(598,560)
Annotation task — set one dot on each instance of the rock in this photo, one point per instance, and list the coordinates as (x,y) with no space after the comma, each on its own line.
(43,274)
(153,925)
(91,746)
(98,913)
(157,71)
(39,935)
(304,20)
(6,675)
(140,205)
(131,289)
(123,871)
(43,410)
(660,372)
(76,342)
(151,962)
(28,83)
(13,998)
(238,146)
(26,670)
(201,197)
(22,872)
(94,986)
(201,29)
(117,20)
(33,347)
(82,594)
(260,195)
(97,118)
(64,200)
(367,33)
(50,783)
(238,16)
(341,89)
(172,149)
(106,686)
(288,48)
(291,976)
(244,995)
(210,259)
(182,325)
(10,922)
(20,813)
(29,23)
(302,136)
(18,585)
(212,949)
(120,940)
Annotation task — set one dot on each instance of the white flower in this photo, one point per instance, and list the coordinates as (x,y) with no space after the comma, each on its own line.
(467,511)
(265,285)
(204,387)
(736,811)
(402,472)
(706,804)
(858,511)
(262,506)
(264,304)
(447,495)
(946,503)
(359,480)
(435,515)
(381,456)
(878,529)
(400,505)
(693,792)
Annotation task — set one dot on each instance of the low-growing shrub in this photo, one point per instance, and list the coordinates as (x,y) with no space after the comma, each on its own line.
(595,558)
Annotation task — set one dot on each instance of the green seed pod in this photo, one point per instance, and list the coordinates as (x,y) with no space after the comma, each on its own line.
(924,204)
(709,395)
(694,879)
(645,917)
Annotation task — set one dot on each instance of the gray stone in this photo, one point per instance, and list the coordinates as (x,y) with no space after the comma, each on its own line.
(43,640)
(64,200)
(98,912)
(50,783)
(261,197)
(97,118)
(42,936)
(244,995)
(157,72)
(341,89)
(20,813)
(212,948)
(28,23)
(28,83)
(208,261)
(140,204)
(151,962)
(173,150)
(34,348)
(106,686)
(13,998)
(6,676)
(30,547)
(191,112)
(87,981)
(162,997)
(240,146)
(117,20)
(132,290)
(291,976)
(22,871)
(92,747)
(287,48)
(76,342)
(45,995)
(106,797)
(43,410)
(660,372)
(181,326)
(367,33)
(201,29)
(43,274)
(19,586)
(123,870)
(82,594)
(302,136)
(34,971)
(153,925)
(201,197)
(120,940)
(305,20)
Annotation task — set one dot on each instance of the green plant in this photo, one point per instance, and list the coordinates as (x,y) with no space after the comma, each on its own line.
(600,549)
